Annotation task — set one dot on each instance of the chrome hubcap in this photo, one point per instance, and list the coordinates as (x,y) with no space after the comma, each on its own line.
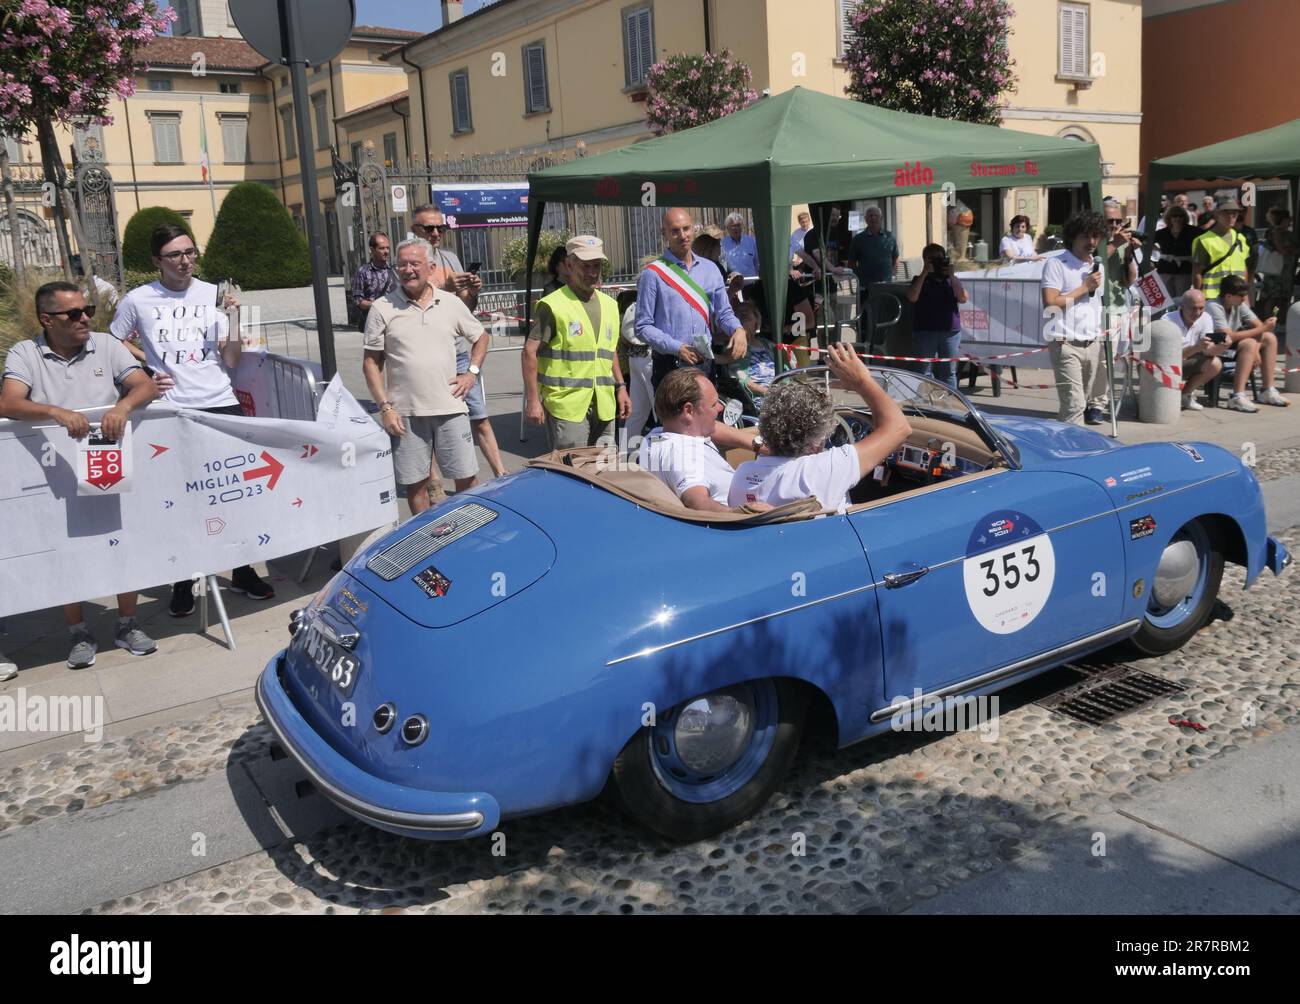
(1177,573)
(712,731)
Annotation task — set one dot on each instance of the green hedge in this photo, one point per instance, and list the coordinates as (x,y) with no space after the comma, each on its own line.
(255,242)
(136,253)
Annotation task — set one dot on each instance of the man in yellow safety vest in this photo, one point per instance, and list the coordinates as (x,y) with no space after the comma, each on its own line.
(572,380)
(1220,251)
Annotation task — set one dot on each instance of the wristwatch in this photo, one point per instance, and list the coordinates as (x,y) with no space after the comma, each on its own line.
(474,369)
(758,440)
(619,386)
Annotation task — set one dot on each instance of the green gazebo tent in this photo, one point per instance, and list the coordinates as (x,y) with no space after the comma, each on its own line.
(1269,153)
(804,146)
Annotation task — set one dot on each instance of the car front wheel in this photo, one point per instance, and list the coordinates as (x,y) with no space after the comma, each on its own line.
(1183,591)
(712,761)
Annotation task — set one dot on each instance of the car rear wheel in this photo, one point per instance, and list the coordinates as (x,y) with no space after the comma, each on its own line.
(712,761)
(1183,591)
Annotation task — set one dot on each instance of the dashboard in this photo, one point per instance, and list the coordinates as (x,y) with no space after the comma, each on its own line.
(924,459)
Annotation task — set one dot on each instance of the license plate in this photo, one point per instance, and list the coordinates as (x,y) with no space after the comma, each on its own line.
(334,663)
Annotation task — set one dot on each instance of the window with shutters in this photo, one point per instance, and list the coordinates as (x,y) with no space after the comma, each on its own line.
(461,119)
(537,96)
(231,87)
(160,83)
(286,120)
(166,127)
(638,44)
(1074,48)
(12,148)
(356,154)
(322,122)
(390,149)
(846,10)
(234,137)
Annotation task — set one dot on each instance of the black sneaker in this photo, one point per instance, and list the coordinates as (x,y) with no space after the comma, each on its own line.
(182,604)
(245,580)
(1093,416)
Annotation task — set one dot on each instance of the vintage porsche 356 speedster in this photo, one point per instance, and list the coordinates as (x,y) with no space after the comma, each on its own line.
(572,629)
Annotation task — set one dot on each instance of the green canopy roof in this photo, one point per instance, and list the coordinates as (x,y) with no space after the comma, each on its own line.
(1269,153)
(805,146)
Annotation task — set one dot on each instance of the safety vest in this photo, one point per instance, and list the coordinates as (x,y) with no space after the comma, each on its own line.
(1236,250)
(578,362)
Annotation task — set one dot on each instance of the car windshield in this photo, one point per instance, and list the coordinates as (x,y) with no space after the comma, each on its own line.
(918,396)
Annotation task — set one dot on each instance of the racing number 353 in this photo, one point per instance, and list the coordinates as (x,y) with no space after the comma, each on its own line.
(1010,572)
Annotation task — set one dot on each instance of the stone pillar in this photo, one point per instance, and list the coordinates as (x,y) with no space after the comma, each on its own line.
(1157,403)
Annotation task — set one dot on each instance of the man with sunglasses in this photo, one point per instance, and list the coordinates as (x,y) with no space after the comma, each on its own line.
(54,377)
(429,223)
(185,339)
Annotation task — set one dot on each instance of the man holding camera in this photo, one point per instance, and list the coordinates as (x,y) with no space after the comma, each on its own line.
(936,322)
(1202,345)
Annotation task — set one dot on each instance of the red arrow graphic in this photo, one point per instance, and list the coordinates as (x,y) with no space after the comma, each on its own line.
(297,503)
(308,451)
(271,471)
(158,450)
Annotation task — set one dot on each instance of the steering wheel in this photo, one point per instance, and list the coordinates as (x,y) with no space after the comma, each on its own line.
(841,436)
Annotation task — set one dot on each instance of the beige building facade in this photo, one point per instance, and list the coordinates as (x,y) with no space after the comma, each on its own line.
(554,74)
(219,86)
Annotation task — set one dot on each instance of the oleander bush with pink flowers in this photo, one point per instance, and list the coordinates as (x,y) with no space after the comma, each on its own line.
(947,58)
(690,89)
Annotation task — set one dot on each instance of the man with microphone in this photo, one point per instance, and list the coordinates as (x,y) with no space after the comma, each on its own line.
(1072,315)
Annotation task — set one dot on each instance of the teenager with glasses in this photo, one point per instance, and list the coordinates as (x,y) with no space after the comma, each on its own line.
(184,338)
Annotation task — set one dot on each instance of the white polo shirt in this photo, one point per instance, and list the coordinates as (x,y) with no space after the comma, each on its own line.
(1202,327)
(1081,320)
(683,462)
(827,476)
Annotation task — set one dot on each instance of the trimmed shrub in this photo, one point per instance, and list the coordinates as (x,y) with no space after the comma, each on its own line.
(136,253)
(256,243)
(18,320)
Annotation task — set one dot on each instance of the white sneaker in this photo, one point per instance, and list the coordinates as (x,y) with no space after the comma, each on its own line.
(1191,404)
(8,669)
(1271,396)
(1240,402)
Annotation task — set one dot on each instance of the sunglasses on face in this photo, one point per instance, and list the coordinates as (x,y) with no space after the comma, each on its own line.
(440,227)
(73,315)
(175,256)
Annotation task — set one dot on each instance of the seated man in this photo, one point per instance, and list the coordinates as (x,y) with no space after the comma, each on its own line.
(1201,350)
(796,421)
(685,452)
(1251,339)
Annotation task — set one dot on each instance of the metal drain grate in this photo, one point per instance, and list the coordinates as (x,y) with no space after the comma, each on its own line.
(1107,692)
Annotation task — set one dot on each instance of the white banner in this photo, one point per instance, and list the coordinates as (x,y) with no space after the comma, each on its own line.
(208,493)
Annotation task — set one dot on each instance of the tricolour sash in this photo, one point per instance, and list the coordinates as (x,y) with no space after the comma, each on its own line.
(687,288)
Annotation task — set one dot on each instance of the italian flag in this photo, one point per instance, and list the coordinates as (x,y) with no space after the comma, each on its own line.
(687,288)
(203,150)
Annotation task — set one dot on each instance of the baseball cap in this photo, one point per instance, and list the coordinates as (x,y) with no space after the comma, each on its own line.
(586,248)
(1230,204)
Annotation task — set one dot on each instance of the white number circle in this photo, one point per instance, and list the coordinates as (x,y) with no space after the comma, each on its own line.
(1007,588)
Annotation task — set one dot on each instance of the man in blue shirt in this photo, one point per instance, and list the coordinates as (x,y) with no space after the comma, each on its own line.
(681,301)
(739,248)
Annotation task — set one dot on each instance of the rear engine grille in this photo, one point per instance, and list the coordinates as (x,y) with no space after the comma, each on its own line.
(1107,692)
(408,552)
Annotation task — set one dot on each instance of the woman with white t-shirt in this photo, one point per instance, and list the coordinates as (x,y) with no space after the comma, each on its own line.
(796,421)
(184,339)
(1018,245)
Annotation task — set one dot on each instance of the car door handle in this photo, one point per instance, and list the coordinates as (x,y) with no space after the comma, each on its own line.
(910,572)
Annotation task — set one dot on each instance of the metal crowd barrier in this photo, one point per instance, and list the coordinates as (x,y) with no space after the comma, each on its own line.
(294,387)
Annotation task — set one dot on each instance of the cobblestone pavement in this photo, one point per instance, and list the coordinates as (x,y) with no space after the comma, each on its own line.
(883,824)
(1278,464)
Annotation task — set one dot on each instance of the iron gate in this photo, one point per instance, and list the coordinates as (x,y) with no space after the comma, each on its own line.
(97,207)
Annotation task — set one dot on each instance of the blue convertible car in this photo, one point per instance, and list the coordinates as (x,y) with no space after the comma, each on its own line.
(572,629)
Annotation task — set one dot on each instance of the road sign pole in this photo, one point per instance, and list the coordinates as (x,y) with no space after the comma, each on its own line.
(291,17)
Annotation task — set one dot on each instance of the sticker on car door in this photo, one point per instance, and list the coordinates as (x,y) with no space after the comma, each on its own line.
(1008,571)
